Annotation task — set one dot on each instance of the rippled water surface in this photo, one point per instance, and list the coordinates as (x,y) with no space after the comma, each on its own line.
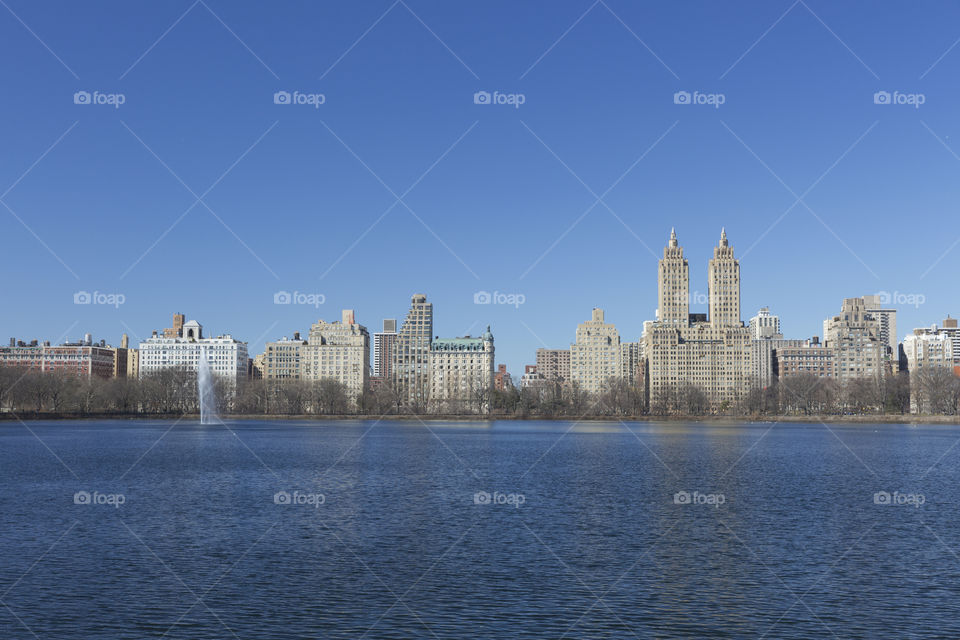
(478,530)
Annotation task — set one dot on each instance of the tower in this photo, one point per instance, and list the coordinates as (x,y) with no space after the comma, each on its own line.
(410,357)
(723,279)
(674,285)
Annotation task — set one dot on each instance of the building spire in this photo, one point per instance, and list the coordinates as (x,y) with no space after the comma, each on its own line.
(723,236)
(673,237)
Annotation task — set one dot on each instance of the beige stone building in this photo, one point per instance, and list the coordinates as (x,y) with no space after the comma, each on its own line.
(338,350)
(461,373)
(282,359)
(855,336)
(596,355)
(713,355)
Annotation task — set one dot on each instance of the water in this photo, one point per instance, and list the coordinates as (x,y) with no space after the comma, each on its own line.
(296,530)
(205,391)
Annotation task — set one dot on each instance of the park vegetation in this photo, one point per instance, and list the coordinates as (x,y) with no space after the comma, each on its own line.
(172,392)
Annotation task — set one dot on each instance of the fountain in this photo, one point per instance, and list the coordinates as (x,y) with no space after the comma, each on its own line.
(205,390)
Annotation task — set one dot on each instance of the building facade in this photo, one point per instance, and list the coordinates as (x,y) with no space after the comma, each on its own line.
(340,351)
(596,355)
(227,357)
(713,353)
(765,325)
(461,372)
(855,336)
(382,347)
(554,364)
(282,358)
(410,355)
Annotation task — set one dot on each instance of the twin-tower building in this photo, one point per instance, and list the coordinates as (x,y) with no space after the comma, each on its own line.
(710,351)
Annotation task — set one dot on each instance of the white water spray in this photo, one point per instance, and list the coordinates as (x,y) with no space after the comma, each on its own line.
(205,390)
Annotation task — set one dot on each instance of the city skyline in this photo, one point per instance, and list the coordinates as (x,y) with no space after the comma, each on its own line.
(406,178)
(694,302)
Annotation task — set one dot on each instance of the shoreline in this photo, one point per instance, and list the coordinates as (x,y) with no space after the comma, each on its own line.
(815,419)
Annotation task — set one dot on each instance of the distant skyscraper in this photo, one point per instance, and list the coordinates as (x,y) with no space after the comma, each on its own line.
(382,345)
(673,285)
(765,325)
(338,350)
(680,349)
(855,336)
(410,356)
(596,355)
(887,319)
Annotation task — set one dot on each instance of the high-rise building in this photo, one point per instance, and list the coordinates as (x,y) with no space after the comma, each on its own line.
(339,350)
(410,356)
(887,319)
(631,363)
(855,335)
(554,364)
(765,325)
(382,346)
(461,372)
(227,357)
(281,358)
(673,285)
(596,355)
(712,353)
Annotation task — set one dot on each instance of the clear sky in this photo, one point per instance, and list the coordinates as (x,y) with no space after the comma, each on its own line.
(200,194)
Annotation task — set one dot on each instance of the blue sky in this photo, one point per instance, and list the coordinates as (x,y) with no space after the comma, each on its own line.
(824,193)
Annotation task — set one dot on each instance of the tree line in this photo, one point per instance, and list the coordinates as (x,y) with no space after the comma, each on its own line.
(931,390)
